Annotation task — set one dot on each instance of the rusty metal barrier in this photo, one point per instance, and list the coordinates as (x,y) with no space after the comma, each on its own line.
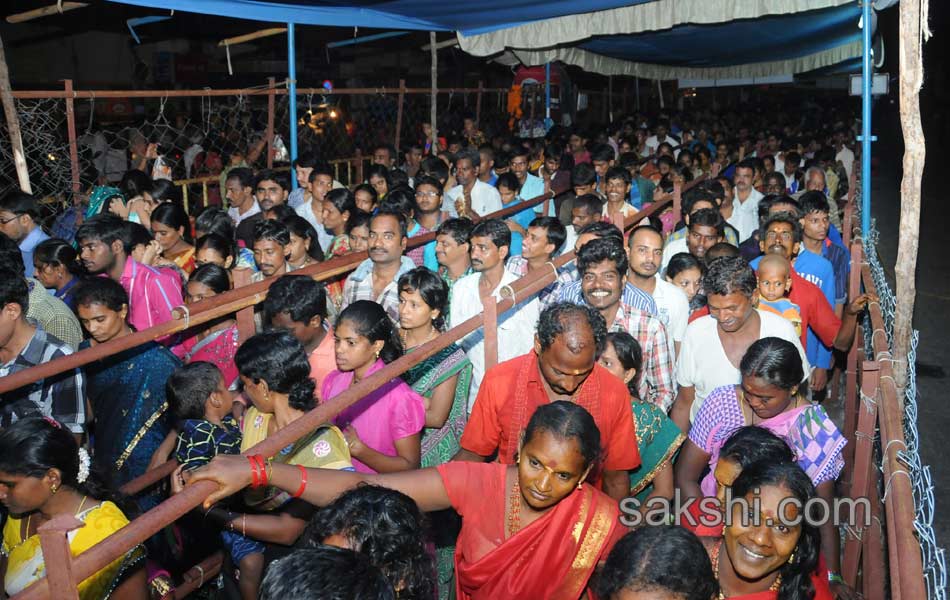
(872,410)
(70,571)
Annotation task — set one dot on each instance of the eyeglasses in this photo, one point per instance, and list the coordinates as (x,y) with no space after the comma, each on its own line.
(13,218)
(784,235)
(427,194)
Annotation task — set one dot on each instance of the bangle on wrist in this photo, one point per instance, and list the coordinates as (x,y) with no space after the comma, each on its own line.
(835,577)
(303,482)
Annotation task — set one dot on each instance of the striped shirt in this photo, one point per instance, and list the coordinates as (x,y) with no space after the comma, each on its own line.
(153,293)
(518,265)
(632,296)
(52,314)
(61,396)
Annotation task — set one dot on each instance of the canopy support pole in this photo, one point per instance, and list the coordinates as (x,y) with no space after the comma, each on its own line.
(866,74)
(434,81)
(913,33)
(13,125)
(292,96)
(547,91)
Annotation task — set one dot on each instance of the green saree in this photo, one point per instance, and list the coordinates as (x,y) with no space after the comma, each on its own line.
(440,445)
(658,439)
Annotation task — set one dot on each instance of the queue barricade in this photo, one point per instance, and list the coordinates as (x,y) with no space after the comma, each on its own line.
(71,570)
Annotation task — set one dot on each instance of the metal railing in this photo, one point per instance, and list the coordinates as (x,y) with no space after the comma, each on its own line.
(63,580)
(896,556)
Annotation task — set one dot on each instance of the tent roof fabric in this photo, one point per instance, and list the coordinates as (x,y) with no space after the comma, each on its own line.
(657,39)
(426,15)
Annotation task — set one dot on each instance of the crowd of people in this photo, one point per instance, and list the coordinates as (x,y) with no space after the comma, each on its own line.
(682,357)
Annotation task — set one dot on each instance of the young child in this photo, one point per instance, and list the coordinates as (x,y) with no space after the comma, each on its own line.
(201,402)
(775,282)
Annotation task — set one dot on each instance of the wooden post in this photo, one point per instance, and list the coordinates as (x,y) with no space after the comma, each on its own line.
(400,104)
(434,80)
(245,316)
(478,102)
(13,124)
(610,98)
(71,132)
(863,467)
(359,166)
(913,32)
(271,98)
(851,368)
(57,556)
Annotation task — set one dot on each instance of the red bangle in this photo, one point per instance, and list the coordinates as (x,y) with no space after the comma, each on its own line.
(255,478)
(263,466)
(303,482)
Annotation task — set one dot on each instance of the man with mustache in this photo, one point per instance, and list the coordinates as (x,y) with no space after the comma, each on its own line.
(489,243)
(562,366)
(271,241)
(645,253)
(602,264)
(706,229)
(375,278)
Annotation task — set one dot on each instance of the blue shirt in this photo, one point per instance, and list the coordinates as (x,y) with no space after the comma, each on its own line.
(817,270)
(27,245)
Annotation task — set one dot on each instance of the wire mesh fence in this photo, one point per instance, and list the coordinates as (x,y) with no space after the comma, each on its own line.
(932,555)
(198,133)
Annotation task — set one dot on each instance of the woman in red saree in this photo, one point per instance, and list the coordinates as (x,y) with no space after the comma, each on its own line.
(529,530)
(769,549)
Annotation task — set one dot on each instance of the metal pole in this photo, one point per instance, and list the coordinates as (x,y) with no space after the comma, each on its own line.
(866,118)
(400,103)
(292,96)
(433,82)
(271,97)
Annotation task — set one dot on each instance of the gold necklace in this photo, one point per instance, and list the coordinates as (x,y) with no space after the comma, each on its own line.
(404,337)
(514,508)
(715,565)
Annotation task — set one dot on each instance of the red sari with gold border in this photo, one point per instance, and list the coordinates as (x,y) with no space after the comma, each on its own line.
(552,558)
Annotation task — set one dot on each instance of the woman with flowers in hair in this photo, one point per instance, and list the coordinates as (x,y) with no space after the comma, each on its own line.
(44,474)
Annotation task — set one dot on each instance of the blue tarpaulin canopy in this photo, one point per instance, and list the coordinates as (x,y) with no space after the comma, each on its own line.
(658,39)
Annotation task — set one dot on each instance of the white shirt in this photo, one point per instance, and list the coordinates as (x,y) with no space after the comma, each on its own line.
(846,156)
(569,241)
(305,210)
(703,364)
(485,199)
(671,249)
(750,206)
(516,326)
(744,221)
(237,216)
(672,307)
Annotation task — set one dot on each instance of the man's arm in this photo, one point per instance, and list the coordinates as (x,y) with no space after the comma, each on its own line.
(682,405)
(660,368)
(849,323)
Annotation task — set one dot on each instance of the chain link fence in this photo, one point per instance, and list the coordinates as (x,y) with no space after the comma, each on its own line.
(197,133)
(932,555)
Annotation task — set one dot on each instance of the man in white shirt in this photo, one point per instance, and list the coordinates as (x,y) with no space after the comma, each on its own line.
(715,344)
(489,244)
(744,222)
(239,191)
(843,154)
(471,195)
(662,135)
(746,197)
(645,252)
(320,181)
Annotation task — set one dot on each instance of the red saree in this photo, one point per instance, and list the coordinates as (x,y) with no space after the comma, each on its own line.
(552,558)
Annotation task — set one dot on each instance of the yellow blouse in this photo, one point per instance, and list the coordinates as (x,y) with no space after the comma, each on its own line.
(25,557)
